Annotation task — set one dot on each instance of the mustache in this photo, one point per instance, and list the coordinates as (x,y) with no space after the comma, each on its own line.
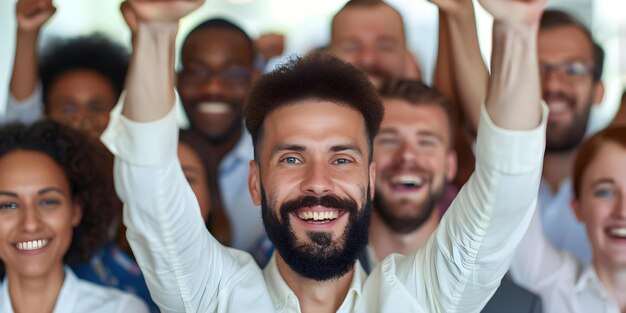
(328,201)
(559,95)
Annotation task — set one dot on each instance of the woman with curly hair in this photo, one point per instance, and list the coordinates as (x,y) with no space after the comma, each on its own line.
(54,210)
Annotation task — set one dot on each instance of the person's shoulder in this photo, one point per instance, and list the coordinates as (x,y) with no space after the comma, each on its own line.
(107,299)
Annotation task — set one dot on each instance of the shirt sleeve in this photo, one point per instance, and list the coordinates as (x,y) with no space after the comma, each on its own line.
(462,264)
(27,111)
(537,264)
(184,266)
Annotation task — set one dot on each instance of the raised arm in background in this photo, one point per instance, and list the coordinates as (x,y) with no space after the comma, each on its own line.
(31,15)
(466,71)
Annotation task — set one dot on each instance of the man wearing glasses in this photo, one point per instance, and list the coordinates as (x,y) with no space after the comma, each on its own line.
(570,65)
(217,60)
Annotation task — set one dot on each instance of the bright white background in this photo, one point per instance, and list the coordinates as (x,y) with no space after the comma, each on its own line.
(306,26)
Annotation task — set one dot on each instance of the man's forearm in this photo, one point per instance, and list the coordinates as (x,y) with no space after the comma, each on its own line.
(150,81)
(514,91)
(470,71)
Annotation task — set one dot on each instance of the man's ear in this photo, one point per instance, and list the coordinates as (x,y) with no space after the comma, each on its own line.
(77,213)
(372,179)
(598,92)
(254,182)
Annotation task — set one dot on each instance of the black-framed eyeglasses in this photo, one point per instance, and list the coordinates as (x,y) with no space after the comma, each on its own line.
(570,70)
(233,76)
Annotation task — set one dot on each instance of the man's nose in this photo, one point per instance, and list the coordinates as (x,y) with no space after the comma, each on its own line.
(317,181)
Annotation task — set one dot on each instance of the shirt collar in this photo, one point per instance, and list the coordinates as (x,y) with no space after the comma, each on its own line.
(285,299)
(588,280)
(242,152)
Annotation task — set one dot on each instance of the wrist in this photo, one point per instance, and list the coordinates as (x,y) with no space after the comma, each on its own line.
(28,34)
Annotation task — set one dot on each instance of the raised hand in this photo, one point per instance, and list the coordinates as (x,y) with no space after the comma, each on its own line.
(166,11)
(515,12)
(32,14)
(464,7)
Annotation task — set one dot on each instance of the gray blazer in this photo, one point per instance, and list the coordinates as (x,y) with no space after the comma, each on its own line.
(511,298)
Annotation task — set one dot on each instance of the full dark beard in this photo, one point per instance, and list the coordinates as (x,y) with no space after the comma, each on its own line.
(325,259)
(402,224)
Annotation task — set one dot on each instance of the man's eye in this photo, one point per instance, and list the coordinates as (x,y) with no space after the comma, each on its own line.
(577,69)
(387,141)
(291,160)
(342,161)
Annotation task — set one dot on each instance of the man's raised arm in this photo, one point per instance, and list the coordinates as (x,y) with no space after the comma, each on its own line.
(462,264)
(185,268)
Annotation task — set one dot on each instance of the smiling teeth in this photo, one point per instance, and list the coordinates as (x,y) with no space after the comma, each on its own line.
(32,245)
(557,107)
(318,216)
(407,180)
(618,232)
(213,107)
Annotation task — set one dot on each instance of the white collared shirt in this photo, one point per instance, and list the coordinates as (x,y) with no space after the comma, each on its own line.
(458,270)
(559,223)
(80,296)
(562,282)
(244,216)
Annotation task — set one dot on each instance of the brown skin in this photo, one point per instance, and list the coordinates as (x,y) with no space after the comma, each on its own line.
(557,45)
(82,98)
(215,50)
(413,141)
(35,203)
(313,170)
(601,206)
(372,39)
(196,175)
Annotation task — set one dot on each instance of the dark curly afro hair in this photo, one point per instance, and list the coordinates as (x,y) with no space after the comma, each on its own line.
(86,164)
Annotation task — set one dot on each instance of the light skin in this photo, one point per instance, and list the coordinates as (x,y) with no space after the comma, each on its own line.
(413,144)
(602,208)
(557,45)
(319,126)
(310,152)
(35,204)
(372,39)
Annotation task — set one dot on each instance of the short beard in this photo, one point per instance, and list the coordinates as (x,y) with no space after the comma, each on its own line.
(568,138)
(324,259)
(403,224)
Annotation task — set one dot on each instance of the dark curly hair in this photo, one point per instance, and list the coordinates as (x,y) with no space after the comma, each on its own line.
(93,52)
(316,76)
(86,164)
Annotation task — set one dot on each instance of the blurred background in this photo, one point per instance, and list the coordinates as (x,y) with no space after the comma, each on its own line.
(306,25)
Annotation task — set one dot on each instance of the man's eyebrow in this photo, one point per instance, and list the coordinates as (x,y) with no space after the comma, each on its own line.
(8,194)
(346,147)
(428,133)
(288,147)
(387,130)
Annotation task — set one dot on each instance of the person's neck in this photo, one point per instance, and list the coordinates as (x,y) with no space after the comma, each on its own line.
(386,241)
(614,281)
(35,294)
(557,167)
(315,296)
